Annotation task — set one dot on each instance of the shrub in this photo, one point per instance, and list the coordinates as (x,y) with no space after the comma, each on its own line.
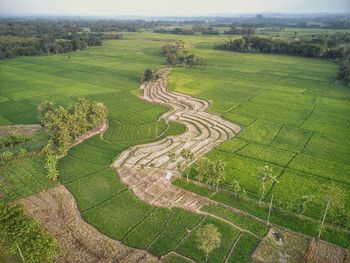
(19,233)
(6,155)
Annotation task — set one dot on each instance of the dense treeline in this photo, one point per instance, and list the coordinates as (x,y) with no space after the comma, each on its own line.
(240,31)
(341,21)
(323,47)
(65,125)
(12,46)
(314,47)
(195,29)
(176,54)
(62,28)
(42,37)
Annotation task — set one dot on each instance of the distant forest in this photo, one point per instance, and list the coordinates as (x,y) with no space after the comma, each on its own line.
(43,36)
(48,36)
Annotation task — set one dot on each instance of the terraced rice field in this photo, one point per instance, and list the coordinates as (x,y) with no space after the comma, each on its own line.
(147,169)
(293,118)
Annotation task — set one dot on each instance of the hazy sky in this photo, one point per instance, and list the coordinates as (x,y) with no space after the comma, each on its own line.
(168,7)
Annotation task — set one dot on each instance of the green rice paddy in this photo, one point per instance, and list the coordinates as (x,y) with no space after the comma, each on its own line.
(294,119)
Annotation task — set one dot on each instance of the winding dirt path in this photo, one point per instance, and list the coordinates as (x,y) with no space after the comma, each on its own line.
(148,170)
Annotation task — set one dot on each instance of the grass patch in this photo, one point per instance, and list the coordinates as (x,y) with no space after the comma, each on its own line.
(142,235)
(239,220)
(176,229)
(243,249)
(23,177)
(228,235)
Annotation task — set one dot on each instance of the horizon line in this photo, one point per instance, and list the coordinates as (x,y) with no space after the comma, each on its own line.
(173,15)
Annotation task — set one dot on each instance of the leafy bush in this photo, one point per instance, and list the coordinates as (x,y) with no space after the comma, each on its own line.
(11,140)
(6,155)
(147,75)
(19,233)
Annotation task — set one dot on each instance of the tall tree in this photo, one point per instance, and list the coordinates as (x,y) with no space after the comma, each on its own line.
(335,199)
(203,168)
(266,177)
(305,199)
(219,173)
(188,156)
(208,239)
(238,191)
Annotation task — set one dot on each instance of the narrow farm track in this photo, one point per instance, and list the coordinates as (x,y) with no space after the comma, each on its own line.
(148,170)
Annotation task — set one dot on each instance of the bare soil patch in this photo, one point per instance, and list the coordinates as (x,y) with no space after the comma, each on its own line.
(288,247)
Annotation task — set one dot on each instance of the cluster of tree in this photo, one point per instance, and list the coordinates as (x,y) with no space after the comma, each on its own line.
(148,75)
(176,54)
(247,31)
(65,125)
(23,235)
(204,29)
(176,31)
(304,47)
(196,29)
(209,172)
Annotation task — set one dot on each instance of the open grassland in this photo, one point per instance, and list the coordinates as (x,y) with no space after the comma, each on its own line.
(295,119)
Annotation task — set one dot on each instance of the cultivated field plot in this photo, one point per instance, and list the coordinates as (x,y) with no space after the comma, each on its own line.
(98,73)
(115,211)
(294,119)
(108,74)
